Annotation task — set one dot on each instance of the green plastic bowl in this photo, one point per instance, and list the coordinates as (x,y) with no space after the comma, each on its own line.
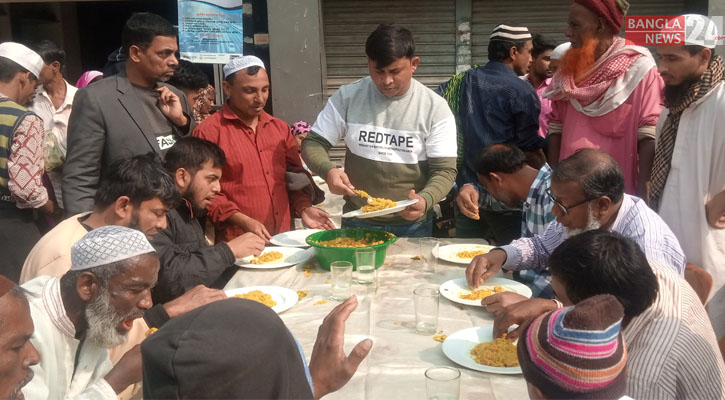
(326,255)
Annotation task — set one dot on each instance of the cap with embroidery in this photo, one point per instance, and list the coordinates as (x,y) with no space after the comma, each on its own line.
(240,63)
(510,33)
(23,56)
(107,245)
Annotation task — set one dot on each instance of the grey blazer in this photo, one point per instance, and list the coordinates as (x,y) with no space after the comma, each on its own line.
(107,123)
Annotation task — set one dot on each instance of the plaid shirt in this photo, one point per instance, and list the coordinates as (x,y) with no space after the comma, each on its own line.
(536,215)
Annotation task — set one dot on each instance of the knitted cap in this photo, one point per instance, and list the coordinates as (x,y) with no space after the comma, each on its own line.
(613,11)
(510,33)
(240,63)
(577,352)
(107,245)
(560,50)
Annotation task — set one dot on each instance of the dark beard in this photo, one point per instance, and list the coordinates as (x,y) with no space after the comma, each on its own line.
(675,94)
(189,196)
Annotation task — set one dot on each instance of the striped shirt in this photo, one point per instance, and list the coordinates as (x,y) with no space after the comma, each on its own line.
(634,220)
(673,353)
(534,219)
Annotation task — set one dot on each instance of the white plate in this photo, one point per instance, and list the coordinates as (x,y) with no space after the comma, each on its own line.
(291,256)
(284,297)
(457,347)
(400,207)
(293,238)
(455,287)
(448,253)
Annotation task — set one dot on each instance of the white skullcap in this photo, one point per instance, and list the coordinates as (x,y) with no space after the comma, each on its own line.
(707,36)
(23,56)
(107,245)
(240,63)
(510,33)
(560,50)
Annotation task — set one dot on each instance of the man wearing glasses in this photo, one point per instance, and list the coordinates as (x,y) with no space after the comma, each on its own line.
(588,193)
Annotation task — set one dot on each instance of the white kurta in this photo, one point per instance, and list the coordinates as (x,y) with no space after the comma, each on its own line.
(64,372)
(696,176)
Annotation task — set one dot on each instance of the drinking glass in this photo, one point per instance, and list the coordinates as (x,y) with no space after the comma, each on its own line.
(428,249)
(425,299)
(341,280)
(365,259)
(442,383)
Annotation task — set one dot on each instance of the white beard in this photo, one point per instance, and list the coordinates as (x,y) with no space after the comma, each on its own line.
(102,321)
(592,224)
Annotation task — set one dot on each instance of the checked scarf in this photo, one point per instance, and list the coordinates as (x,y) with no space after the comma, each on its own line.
(666,140)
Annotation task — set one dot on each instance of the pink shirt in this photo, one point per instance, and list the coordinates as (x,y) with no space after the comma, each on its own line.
(545,106)
(615,132)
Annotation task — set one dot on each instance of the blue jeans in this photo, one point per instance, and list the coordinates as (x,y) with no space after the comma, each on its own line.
(413,229)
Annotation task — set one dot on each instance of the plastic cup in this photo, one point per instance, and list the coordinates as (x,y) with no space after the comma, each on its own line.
(442,383)
(365,260)
(425,299)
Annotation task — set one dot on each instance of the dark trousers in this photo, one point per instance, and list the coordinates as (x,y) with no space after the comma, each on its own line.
(499,228)
(18,235)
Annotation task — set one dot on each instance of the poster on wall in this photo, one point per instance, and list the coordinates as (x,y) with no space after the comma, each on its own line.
(210,31)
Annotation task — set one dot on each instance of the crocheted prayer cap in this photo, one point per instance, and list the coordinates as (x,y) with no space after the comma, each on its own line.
(107,245)
(23,56)
(577,352)
(240,63)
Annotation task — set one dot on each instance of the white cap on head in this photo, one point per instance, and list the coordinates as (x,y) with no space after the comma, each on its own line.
(510,33)
(560,50)
(23,56)
(707,31)
(240,63)
(107,245)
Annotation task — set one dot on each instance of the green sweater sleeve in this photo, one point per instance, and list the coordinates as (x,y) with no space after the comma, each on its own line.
(315,152)
(442,174)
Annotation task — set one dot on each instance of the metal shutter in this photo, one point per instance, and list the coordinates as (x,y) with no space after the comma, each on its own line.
(347,24)
(547,18)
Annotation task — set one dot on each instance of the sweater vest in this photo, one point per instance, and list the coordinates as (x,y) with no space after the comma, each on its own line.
(11,115)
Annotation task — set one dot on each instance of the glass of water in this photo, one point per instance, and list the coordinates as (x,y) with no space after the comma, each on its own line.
(341,280)
(442,383)
(428,251)
(425,299)
(365,259)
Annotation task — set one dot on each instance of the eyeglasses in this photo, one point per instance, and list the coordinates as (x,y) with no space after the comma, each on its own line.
(564,209)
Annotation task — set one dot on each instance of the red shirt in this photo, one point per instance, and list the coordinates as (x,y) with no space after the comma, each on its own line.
(253,181)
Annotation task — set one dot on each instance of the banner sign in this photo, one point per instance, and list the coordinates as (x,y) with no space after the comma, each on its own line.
(210,31)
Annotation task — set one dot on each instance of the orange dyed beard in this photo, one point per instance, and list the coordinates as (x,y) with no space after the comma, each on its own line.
(577,62)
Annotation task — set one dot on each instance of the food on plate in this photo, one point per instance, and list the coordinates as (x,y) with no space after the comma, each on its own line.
(469,253)
(268,257)
(350,242)
(374,203)
(258,296)
(480,294)
(501,352)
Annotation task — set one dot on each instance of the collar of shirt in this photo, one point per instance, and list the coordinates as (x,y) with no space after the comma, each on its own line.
(53,303)
(543,85)
(185,209)
(70,92)
(624,209)
(501,68)
(538,188)
(228,113)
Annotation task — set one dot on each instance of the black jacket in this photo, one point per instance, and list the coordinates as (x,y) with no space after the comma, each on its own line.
(186,258)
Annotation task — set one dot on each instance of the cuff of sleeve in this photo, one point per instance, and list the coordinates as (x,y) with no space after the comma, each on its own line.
(513,257)
(226,252)
(646,132)
(428,201)
(555,128)
(156,316)
(325,167)
(105,389)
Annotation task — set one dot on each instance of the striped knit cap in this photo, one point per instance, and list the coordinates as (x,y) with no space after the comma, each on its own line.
(577,352)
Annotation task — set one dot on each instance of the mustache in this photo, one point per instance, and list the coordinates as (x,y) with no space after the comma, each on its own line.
(22,384)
